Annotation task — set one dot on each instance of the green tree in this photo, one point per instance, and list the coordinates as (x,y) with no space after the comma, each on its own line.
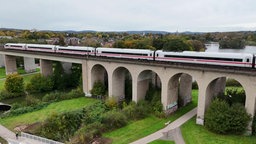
(176,44)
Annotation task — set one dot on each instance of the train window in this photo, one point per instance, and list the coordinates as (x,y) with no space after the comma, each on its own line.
(247,60)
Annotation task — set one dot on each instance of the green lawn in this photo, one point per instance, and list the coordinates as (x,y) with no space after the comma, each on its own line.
(197,134)
(138,129)
(2,72)
(40,115)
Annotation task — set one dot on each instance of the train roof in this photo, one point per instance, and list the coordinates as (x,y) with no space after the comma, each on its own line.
(76,47)
(123,50)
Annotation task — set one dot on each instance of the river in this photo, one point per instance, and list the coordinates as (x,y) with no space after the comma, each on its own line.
(214,47)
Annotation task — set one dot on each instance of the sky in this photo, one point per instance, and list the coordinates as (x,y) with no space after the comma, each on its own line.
(130,15)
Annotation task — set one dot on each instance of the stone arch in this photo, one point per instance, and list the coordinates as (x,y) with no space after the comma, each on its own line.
(218,86)
(179,91)
(145,78)
(121,84)
(99,73)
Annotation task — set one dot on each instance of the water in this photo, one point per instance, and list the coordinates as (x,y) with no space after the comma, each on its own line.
(214,47)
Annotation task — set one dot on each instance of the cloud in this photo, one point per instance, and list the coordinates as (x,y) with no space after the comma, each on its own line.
(115,15)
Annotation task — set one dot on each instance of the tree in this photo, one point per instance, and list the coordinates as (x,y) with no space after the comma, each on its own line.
(14,83)
(232,43)
(196,45)
(176,44)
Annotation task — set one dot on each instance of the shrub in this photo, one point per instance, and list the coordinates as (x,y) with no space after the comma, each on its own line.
(254,125)
(39,83)
(114,119)
(61,126)
(222,118)
(93,113)
(98,89)
(4,94)
(30,100)
(88,132)
(135,111)
(111,102)
(14,83)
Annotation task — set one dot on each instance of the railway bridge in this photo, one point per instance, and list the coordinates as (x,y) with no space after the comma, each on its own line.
(175,79)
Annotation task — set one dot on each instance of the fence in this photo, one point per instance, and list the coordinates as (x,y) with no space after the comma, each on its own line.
(40,139)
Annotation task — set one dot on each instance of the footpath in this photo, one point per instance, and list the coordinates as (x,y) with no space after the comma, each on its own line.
(172,130)
(11,137)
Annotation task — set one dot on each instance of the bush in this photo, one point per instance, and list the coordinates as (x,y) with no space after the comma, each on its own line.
(111,102)
(114,119)
(61,126)
(98,89)
(87,133)
(57,96)
(4,94)
(135,111)
(39,83)
(222,118)
(254,125)
(14,83)
(93,113)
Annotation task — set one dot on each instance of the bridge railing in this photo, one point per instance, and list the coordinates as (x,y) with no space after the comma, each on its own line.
(39,139)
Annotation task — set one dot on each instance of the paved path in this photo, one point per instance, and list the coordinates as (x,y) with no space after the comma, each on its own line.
(11,138)
(165,131)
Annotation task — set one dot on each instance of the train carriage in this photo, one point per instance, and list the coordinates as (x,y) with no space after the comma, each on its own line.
(18,46)
(212,58)
(125,53)
(76,50)
(41,47)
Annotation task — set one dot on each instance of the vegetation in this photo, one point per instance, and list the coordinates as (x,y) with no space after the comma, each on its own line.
(225,119)
(197,134)
(232,43)
(3,141)
(43,114)
(39,83)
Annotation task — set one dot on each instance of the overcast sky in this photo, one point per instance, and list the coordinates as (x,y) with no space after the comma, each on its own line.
(123,15)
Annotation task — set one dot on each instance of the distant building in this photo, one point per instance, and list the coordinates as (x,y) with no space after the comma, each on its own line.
(5,37)
(72,41)
(53,41)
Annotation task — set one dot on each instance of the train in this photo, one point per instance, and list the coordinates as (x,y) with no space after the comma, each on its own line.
(209,58)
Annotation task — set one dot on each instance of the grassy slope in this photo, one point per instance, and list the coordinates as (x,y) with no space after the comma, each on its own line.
(197,134)
(138,129)
(40,115)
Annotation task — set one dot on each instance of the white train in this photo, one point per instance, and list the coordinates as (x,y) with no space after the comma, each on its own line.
(211,58)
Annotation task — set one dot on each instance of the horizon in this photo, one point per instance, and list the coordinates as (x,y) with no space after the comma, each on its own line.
(129,15)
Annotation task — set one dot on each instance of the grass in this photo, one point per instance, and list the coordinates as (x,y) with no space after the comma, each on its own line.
(197,134)
(2,72)
(40,115)
(138,129)
(162,142)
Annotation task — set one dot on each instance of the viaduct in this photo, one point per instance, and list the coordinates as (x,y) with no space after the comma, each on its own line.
(175,79)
